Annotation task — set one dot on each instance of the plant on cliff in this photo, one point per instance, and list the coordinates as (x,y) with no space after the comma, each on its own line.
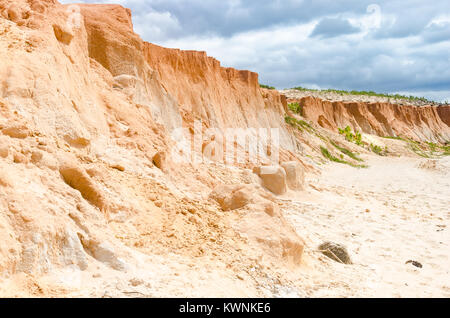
(415,147)
(266,86)
(439,150)
(433,146)
(376,149)
(351,136)
(296,108)
(290,120)
(326,153)
(425,149)
(394,138)
(299,124)
(346,151)
(446,150)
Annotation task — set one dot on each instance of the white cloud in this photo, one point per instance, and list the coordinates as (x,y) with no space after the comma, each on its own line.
(157,25)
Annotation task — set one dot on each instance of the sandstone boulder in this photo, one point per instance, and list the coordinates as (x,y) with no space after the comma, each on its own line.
(4,151)
(159,160)
(295,176)
(261,221)
(232,197)
(17,131)
(273,179)
(62,34)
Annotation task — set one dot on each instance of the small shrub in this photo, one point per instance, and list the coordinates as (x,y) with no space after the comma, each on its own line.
(296,108)
(446,150)
(355,137)
(358,138)
(299,124)
(304,124)
(376,149)
(290,121)
(330,157)
(266,86)
(433,147)
(346,152)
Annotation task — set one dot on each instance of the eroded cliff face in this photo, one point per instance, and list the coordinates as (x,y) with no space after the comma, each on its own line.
(444,113)
(87,111)
(88,193)
(195,85)
(223,97)
(424,123)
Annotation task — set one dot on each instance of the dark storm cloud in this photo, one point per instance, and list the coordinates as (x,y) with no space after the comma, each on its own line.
(386,46)
(226,18)
(230,17)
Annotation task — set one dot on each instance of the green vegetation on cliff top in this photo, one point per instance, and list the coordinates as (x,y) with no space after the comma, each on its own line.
(365,93)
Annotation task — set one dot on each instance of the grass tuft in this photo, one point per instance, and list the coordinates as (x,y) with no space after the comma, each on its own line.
(377,149)
(298,123)
(394,138)
(424,149)
(266,86)
(346,152)
(330,157)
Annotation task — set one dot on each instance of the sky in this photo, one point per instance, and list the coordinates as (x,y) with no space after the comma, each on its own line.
(387,46)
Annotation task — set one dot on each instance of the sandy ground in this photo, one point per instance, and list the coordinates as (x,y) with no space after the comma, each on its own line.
(386,215)
(396,210)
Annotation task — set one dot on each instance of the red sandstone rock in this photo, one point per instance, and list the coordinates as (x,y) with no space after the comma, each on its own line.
(424,123)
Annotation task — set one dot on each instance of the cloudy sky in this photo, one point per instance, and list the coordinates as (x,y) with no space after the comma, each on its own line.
(394,46)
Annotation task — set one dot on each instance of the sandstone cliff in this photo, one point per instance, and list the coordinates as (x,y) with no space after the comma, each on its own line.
(422,123)
(87,112)
(91,202)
